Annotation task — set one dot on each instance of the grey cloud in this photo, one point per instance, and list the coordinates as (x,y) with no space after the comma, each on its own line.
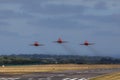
(4,14)
(115,18)
(21,1)
(102,5)
(2,23)
(7,33)
(54,23)
(78,22)
(60,23)
(106,33)
(54,9)
(108,19)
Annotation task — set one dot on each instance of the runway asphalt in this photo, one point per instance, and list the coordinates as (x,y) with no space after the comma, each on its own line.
(61,75)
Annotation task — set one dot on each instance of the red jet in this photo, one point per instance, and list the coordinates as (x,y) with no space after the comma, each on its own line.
(36,44)
(86,43)
(60,41)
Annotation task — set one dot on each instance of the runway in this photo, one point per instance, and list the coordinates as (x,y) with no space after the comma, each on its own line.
(61,75)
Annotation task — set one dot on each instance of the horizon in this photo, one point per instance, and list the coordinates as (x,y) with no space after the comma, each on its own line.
(62,55)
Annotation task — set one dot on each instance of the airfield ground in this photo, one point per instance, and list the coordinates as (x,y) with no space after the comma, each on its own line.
(59,72)
(113,76)
(50,68)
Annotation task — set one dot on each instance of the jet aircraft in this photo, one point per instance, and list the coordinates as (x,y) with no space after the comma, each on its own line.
(60,41)
(86,43)
(37,44)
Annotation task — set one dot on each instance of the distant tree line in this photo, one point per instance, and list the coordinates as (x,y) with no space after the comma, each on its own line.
(28,59)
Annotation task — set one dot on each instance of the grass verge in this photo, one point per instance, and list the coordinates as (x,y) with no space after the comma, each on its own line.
(113,76)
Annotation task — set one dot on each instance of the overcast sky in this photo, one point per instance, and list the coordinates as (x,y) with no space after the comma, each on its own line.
(24,21)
